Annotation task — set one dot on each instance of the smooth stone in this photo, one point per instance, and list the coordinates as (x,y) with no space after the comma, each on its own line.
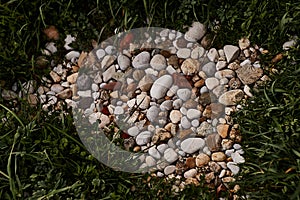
(219,90)
(123,61)
(226,73)
(166,105)
(152,113)
(65,94)
(211,83)
(100,53)
(218,156)
(195,123)
(175,116)
(84,82)
(237,146)
(213,142)
(231,97)
(183,53)
(8,95)
(203,90)
(221,64)
(244,43)
(158,62)
(193,114)
(289,44)
(161,86)
(164,33)
(185,123)
(195,32)
(233,167)
(213,55)
(249,74)
(202,160)
(150,161)
(110,49)
(231,52)
(171,70)
(190,66)
(184,94)
(237,158)
(133,131)
(143,138)
(72,54)
(107,61)
(177,104)
(190,173)
(95,87)
(162,147)
(169,169)
(154,153)
(170,155)
(191,145)
(56,88)
(85,93)
(146,83)
(142,60)
(118,110)
(229,152)
(108,74)
(143,101)
(209,69)
(197,52)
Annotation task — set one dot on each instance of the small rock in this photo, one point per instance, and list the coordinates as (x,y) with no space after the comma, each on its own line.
(123,61)
(170,155)
(202,160)
(249,74)
(108,74)
(226,144)
(143,138)
(169,169)
(150,161)
(56,88)
(221,64)
(197,52)
(72,54)
(55,77)
(231,97)
(226,73)
(72,78)
(161,86)
(84,82)
(166,105)
(85,93)
(184,94)
(185,123)
(190,162)
(193,114)
(65,94)
(133,131)
(191,145)
(158,62)
(247,91)
(233,167)
(213,55)
(118,110)
(289,44)
(209,69)
(146,83)
(190,66)
(143,101)
(218,156)
(213,142)
(175,116)
(244,43)
(237,158)
(211,83)
(32,99)
(107,61)
(152,113)
(223,130)
(196,32)
(183,53)
(162,147)
(234,83)
(190,173)
(231,52)
(142,60)
(154,153)
(8,95)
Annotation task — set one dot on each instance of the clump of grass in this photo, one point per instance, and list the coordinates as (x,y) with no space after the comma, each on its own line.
(271,135)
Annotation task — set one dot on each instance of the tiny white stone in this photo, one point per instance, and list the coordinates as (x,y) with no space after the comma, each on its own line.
(154,153)
(118,110)
(185,123)
(169,169)
(233,167)
(193,113)
(184,94)
(237,158)
(133,131)
(162,147)
(170,155)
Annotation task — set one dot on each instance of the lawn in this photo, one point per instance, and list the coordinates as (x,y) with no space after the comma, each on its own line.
(42,156)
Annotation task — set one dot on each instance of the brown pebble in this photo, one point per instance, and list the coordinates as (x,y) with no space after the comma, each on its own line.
(199,83)
(190,162)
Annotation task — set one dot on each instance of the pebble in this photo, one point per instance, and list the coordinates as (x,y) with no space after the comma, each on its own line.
(141,61)
(143,138)
(143,100)
(221,64)
(183,53)
(211,83)
(233,167)
(213,55)
(249,74)
(193,114)
(100,53)
(289,44)
(237,146)
(56,88)
(196,32)
(190,173)
(170,155)
(175,116)
(158,62)
(133,131)
(202,160)
(118,110)
(123,61)
(244,43)
(231,52)
(161,86)
(177,104)
(8,95)
(152,113)
(218,156)
(237,158)
(209,69)
(185,123)
(85,93)
(72,54)
(226,73)
(65,94)
(197,52)
(107,61)
(154,153)
(223,130)
(108,74)
(231,97)
(169,169)
(190,66)
(166,105)
(84,82)
(195,123)
(247,91)
(162,147)
(55,77)
(184,94)
(191,145)
(150,161)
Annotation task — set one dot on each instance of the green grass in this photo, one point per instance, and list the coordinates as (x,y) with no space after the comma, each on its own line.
(42,156)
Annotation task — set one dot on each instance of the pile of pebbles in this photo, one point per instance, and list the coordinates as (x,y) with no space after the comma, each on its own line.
(171,98)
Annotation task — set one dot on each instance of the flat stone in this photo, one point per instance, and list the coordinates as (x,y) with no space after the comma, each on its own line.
(237,158)
(184,94)
(65,94)
(191,145)
(146,83)
(209,69)
(249,74)
(123,61)
(169,169)
(161,86)
(108,74)
(143,138)
(190,173)
(8,95)
(141,61)
(231,52)
(197,52)
(231,97)
(202,160)
(154,153)
(211,83)
(152,113)
(223,130)
(56,88)
(193,113)
(170,155)
(190,66)
(233,167)
(213,55)
(218,156)
(133,131)
(183,53)
(158,62)
(195,32)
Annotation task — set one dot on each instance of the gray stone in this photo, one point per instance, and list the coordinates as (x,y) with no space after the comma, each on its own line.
(84,82)
(141,61)
(233,167)
(237,158)
(169,169)
(209,69)
(150,161)
(161,86)
(166,105)
(123,61)
(100,53)
(152,113)
(190,173)
(170,155)
(72,54)
(143,138)
(231,52)
(211,83)
(185,123)
(196,32)
(183,53)
(107,61)
(154,153)
(249,74)
(146,82)
(193,114)
(57,88)
(289,44)
(184,94)
(162,147)
(231,97)
(133,131)
(191,145)
(221,64)
(158,62)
